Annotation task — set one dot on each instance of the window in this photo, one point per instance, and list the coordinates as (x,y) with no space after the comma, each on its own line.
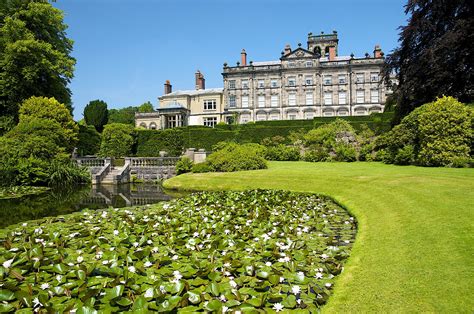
(309,99)
(327,113)
(172,121)
(342,98)
(245,83)
(359,77)
(374,77)
(309,115)
(261,83)
(274,101)
(209,104)
(261,101)
(327,80)
(274,117)
(341,78)
(292,81)
(245,101)
(291,99)
(308,80)
(292,117)
(343,113)
(360,98)
(261,117)
(374,96)
(232,84)
(210,121)
(274,83)
(328,98)
(309,64)
(244,118)
(291,64)
(232,101)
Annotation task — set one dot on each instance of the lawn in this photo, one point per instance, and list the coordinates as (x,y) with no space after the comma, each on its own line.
(415,245)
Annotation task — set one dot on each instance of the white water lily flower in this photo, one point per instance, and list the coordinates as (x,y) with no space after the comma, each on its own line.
(177,274)
(324,256)
(132,269)
(155,249)
(196,234)
(282,279)
(347,241)
(224,309)
(44,286)
(148,264)
(226,231)
(37,303)
(175,257)
(277,307)
(149,293)
(222,298)
(8,263)
(149,242)
(80,259)
(295,289)
(59,278)
(162,289)
(227,264)
(328,285)
(268,264)
(14,249)
(319,275)
(24,224)
(135,244)
(233,284)
(116,232)
(105,262)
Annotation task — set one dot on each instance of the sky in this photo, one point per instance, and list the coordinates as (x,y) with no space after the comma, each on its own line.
(127,49)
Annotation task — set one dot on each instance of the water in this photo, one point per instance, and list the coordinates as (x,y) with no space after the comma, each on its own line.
(59,202)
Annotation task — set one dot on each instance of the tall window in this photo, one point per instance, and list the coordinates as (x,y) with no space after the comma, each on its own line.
(374,77)
(232,84)
(261,83)
(327,80)
(292,99)
(309,115)
(274,83)
(292,81)
(308,80)
(245,83)
(328,98)
(261,101)
(210,121)
(209,104)
(309,99)
(245,101)
(359,77)
(342,98)
(341,78)
(360,98)
(309,64)
(172,122)
(274,101)
(374,96)
(232,101)
(292,116)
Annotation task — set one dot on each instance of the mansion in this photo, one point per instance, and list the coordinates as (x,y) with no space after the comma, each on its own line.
(303,84)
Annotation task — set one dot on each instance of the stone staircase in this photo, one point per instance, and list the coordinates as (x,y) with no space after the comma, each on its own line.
(109,178)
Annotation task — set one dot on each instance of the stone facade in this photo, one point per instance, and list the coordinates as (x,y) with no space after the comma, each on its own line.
(305,83)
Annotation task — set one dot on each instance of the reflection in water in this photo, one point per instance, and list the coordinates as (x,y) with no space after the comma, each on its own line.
(61,202)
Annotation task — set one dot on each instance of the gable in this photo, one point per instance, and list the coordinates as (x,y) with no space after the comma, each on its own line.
(299,53)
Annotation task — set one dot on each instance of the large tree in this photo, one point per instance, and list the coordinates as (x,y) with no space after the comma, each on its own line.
(34,54)
(435,56)
(96,114)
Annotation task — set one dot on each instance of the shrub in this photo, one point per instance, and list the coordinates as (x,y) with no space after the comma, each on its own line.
(96,114)
(67,174)
(405,155)
(282,153)
(316,154)
(184,165)
(117,140)
(151,142)
(235,157)
(345,152)
(273,141)
(201,167)
(89,140)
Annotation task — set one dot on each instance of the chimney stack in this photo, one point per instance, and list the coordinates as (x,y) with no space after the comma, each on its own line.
(200,81)
(168,87)
(287,50)
(378,52)
(332,53)
(243,58)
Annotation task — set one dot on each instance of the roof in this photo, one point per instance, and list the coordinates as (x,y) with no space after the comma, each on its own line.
(193,92)
(263,63)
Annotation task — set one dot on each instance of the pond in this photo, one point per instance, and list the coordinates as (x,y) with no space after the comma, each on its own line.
(59,202)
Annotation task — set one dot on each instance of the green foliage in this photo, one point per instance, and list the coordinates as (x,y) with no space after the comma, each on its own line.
(201,167)
(282,153)
(345,152)
(316,154)
(146,107)
(184,165)
(151,142)
(96,114)
(34,54)
(67,174)
(273,141)
(89,140)
(235,157)
(117,140)
(435,134)
(124,115)
(121,264)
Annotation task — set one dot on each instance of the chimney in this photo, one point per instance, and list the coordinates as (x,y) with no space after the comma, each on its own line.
(200,81)
(168,87)
(243,58)
(332,53)
(378,52)
(287,50)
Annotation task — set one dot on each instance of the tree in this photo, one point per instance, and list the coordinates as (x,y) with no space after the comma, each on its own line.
(146,107)
(34,54)
(124,115)
(117,140)
(51,109)
(96,114)
(435,56)
(89,140)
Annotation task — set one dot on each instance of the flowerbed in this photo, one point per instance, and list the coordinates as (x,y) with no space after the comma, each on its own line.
(252,251)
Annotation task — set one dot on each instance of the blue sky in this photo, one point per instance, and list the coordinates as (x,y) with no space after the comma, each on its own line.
(126,49)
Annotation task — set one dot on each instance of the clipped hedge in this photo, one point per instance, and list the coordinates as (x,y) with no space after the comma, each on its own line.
(151,142)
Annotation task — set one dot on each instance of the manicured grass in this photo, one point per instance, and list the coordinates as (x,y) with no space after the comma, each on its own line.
(414,250)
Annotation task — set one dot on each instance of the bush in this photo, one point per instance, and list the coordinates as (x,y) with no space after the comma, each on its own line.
(184,165)
(235,157)
(273,141)
(405,155)
(316,154)
(282,153)
(89,140)
(151,142)
(117,140)
(67,174)
(201,167)
(345,152)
